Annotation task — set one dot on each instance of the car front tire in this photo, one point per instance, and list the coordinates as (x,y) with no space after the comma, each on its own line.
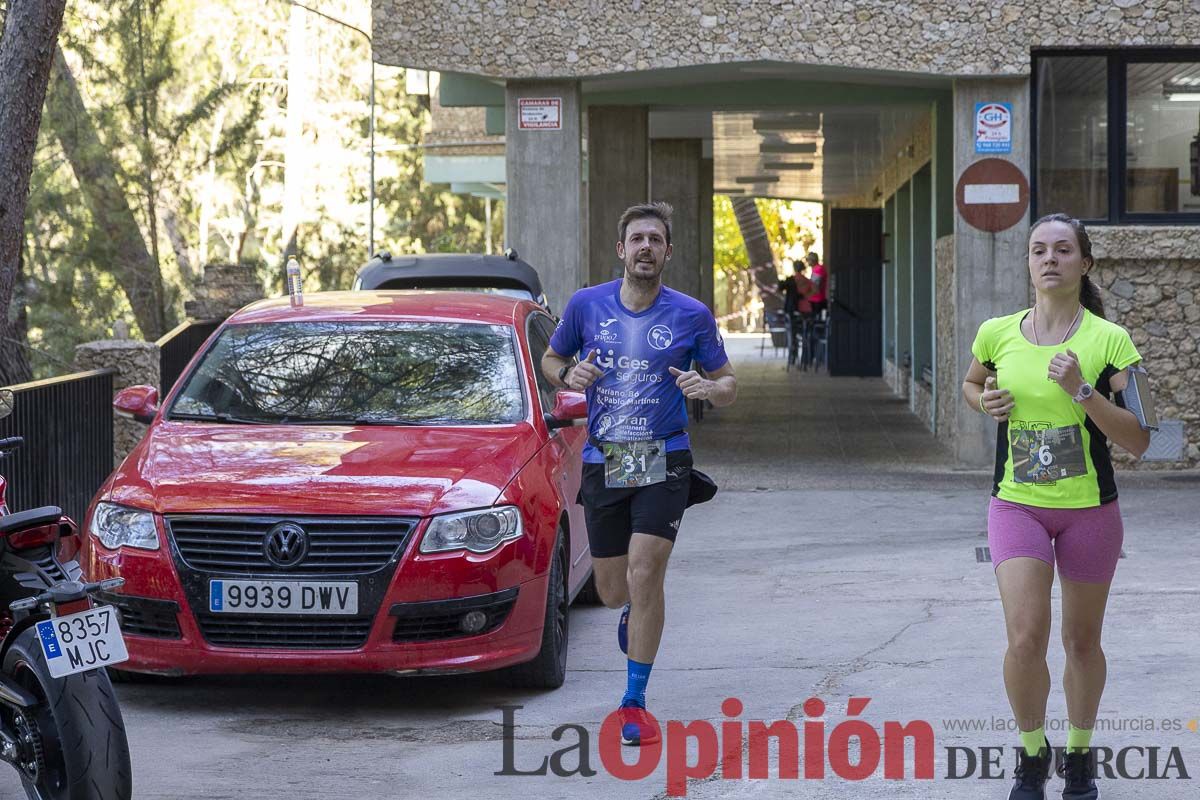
(548,669)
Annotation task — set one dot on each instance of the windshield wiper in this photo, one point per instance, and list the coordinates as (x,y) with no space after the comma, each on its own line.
(228,419)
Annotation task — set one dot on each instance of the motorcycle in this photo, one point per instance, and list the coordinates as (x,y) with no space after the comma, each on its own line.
(60,724)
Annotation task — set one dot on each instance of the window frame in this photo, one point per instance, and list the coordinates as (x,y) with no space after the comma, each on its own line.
(535,360)
(1118,100)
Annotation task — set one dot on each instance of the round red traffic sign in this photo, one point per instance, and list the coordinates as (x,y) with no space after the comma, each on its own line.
(992,195)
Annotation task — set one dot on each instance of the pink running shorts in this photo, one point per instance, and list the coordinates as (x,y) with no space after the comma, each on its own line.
(1086,541)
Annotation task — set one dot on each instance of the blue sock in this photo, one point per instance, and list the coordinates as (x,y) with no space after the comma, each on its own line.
(635,687)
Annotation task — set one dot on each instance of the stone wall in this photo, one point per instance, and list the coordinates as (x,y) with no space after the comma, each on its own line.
(224,289)
(896,377)
(922,400)
(1153,292)
(459,132)
(136,363)
(950,358)
(577,38)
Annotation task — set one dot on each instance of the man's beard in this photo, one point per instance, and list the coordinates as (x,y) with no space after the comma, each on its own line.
(642,281)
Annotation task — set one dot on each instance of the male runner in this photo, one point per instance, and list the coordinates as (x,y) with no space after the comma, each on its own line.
(639,339)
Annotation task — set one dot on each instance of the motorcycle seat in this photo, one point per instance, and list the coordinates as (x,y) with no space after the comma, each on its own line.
(29,519)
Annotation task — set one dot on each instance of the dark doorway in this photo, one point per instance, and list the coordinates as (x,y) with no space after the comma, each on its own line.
(855,261)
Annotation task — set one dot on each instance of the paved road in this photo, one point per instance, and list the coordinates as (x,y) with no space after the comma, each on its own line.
(839,562)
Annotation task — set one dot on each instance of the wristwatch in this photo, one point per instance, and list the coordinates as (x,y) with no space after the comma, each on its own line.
(562,374)
(1085,391)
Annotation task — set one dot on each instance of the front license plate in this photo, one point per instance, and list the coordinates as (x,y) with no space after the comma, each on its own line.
(82,641)
(283,597)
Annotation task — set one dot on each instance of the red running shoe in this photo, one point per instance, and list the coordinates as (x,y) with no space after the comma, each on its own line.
(637,726)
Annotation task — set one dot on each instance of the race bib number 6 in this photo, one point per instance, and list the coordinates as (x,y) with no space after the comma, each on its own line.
(1047,455)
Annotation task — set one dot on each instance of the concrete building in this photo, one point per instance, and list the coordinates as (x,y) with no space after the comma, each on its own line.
(932,133)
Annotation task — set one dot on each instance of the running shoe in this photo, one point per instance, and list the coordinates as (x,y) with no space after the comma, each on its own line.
(623,630)
(636,726)
(1079,770)
(1031,775)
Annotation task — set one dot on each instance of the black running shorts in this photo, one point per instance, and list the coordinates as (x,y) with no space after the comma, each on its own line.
(614,515)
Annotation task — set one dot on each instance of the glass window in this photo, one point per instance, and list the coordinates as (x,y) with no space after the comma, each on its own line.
(1161,135)
(340,373)
(538,342)
(1072,136)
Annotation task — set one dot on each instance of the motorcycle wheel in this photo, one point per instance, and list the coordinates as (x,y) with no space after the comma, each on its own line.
(84,754)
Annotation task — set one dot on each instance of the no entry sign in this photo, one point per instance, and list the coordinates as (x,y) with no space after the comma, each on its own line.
(992,195)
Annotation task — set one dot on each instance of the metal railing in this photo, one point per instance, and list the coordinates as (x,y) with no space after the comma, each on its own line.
(68,450)
(177,347)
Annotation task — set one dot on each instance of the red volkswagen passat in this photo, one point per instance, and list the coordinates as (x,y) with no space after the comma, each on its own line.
(367,482)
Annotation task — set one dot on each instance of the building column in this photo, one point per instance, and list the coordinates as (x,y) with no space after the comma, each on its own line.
(618,177)
(889,290)
(544,205)
(706,233)
(921,400)
(675,178)
(904,348)
(945,381)
(990,276)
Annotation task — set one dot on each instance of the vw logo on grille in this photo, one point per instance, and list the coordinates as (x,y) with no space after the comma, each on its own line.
(285,545)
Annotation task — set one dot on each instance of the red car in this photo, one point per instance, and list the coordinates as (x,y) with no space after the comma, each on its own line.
(367,482)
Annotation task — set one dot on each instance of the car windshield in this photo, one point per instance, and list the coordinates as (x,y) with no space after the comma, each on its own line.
(356,373)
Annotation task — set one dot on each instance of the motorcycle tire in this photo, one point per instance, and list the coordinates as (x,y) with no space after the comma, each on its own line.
(85,750)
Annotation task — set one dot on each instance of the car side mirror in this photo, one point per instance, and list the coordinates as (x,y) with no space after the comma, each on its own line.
(139,403)
(568,407)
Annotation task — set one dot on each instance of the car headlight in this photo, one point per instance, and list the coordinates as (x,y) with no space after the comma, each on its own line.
(116,526)
(477,531)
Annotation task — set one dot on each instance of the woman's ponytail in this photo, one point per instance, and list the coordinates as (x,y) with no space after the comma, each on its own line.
(1089,297)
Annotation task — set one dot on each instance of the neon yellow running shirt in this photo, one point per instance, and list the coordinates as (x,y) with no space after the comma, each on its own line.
(1049,453)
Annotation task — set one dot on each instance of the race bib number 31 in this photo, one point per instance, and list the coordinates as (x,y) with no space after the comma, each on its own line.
(630,464)
(1047,455)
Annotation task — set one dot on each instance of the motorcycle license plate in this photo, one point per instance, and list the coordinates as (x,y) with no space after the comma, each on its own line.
(283,597)
(82,641)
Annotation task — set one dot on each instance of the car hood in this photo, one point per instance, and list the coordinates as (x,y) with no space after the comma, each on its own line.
(193,468)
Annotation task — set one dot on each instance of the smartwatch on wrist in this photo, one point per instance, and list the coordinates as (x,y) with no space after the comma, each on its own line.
(1085,391)
(562,374)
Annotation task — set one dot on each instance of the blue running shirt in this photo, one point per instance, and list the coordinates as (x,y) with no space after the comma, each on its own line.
(637,398)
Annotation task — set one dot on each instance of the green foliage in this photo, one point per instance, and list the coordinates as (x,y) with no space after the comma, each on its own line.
(191,100)
(729,251)
(793,228)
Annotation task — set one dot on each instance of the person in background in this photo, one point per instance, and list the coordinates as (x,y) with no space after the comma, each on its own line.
(819,299)
(796,292)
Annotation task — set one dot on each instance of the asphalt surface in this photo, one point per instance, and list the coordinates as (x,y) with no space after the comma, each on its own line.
(841,560)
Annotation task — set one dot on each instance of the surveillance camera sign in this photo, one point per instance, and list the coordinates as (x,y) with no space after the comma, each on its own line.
(993,127)
(539,113)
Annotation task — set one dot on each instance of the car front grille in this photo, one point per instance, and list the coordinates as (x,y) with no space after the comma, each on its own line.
(440,619)
(228,630)
(232,544)
(144,616)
